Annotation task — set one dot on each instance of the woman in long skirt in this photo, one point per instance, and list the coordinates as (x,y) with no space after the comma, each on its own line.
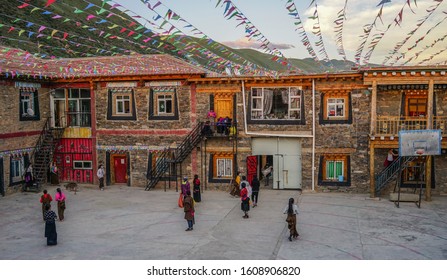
(196,189)
(60,198)
(50,226)
(245,201)
(291,210)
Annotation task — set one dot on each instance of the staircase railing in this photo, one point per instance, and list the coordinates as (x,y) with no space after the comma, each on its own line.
(44,150)
(388,173)
(165,158)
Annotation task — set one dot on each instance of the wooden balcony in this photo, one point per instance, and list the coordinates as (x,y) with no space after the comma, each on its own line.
(391,125)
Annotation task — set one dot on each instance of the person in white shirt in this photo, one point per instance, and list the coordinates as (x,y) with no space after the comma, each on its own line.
(291,210)
(100,175)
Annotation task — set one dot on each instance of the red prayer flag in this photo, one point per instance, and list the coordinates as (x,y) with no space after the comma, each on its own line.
(49,3)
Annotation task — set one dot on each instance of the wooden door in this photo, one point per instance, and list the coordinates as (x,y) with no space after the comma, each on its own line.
(120,167)
(223,106)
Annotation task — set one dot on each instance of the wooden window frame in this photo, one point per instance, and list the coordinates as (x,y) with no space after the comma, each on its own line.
(409,98)
(346,165)
(162,97)
(212,171)
(257,93)
(83,164)
(112,113)
(325,117)
(154,113)
(32,101)
(224,160)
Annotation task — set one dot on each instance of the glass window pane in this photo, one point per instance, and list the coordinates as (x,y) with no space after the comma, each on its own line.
(85,93)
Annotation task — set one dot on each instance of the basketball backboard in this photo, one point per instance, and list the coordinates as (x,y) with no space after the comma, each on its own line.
(419,142)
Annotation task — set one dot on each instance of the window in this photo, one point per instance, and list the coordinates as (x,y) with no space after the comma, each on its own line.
(72,107)
(334,170)
(417,107)
(17,169)
(121,104)
(79,164)
(224,167)
(276,103)
(163,103)
(29,105)
(335,108)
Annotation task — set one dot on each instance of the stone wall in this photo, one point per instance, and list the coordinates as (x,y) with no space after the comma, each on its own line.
(18,136)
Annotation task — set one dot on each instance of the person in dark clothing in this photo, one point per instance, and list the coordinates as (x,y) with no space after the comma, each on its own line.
(50,225)
(255,184)
(196,189)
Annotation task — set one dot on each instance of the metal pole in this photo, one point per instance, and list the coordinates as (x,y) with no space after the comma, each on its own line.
(206,181)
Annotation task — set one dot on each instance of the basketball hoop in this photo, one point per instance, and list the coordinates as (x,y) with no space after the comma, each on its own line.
(420,152)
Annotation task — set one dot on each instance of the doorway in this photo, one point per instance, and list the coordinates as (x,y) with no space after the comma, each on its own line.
(285,155)
(119,163)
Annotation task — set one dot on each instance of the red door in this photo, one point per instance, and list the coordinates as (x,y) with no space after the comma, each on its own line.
(120,165)
(252,167)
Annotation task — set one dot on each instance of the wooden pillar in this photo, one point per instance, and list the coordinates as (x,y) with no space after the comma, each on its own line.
(428,179)
(373,108)
(93,127)
(372,180)
(429,126)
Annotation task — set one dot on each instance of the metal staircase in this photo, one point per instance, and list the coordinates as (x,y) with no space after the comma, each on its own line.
(388,173)
(42,154)
(177,155)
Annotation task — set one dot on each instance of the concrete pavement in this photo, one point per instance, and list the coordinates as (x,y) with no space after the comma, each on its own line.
(126,223)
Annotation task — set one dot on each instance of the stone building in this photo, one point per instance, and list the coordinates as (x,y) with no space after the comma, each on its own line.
(158,119)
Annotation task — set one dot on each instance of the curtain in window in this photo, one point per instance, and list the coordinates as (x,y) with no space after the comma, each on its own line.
(338,168)
(330,170)
(268,101)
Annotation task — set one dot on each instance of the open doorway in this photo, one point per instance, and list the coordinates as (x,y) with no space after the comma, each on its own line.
(278,160)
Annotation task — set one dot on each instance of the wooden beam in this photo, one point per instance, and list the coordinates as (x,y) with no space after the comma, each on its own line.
(428,179)
(372,177)
(373,108)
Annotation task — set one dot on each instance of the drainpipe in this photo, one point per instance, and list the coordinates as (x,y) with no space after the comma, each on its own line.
(313,135)
(286,135)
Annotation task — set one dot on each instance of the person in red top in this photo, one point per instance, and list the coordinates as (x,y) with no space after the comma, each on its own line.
(45,199)
(60,198)
(245,201)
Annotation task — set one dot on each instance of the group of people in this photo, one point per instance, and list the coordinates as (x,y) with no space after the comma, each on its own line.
(249,194)
(49,216)
(188,202)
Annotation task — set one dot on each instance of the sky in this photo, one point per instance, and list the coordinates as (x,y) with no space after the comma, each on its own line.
(395,28)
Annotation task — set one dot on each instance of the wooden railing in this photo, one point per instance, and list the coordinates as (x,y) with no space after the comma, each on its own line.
(391,125)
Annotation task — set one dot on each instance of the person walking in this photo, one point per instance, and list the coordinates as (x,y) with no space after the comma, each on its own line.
(185,187)
(255,185)
(100,175)
(50,226)
(188,208)
(60,198)
(235,191)
(291,210)
(267,173)
(390,157)
(45,199)
(245,201)
(196,189)
(29,177)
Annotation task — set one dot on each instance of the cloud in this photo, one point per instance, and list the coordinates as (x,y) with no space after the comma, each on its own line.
(244,43)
